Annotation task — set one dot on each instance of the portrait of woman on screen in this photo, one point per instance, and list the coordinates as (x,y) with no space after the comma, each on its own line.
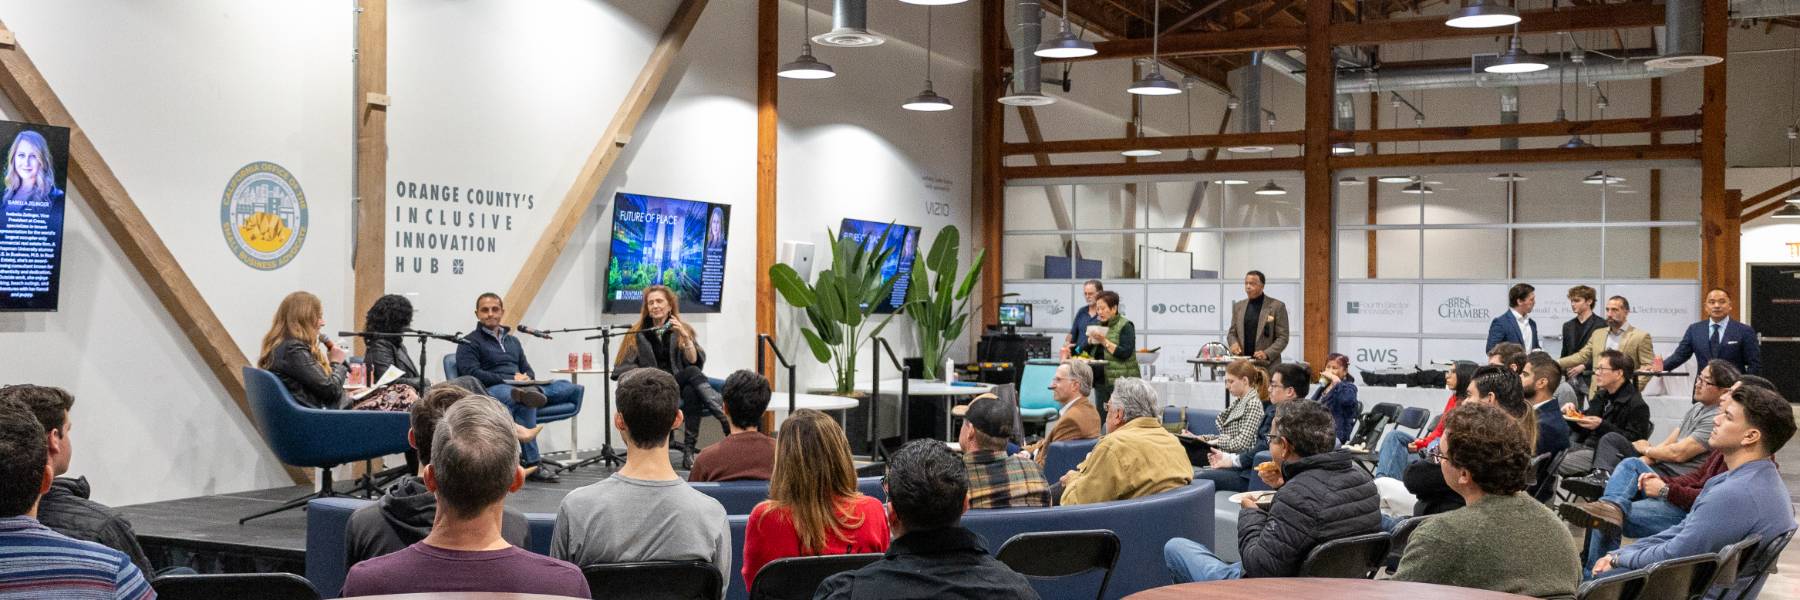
(30,173)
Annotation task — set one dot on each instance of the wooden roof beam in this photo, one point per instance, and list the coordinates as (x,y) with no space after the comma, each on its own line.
(1160,142)
(1521,130)
(1163,167)
(1522,156)
(1591,18)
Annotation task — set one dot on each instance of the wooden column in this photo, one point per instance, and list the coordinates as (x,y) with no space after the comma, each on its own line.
(768,59)
(118,214)
(1317,269)
(370,260)
(1656,139)
(1718,267)
(1128,267)
(990,192)
(600,161)
(1374,191)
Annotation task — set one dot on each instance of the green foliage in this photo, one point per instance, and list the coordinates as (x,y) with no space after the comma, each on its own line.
(838,304)
(937,302)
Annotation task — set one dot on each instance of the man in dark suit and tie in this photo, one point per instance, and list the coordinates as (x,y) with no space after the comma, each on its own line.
(1259,324)
(1718,337)
(1516,325)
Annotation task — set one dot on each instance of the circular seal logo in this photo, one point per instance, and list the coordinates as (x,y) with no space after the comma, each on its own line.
(263,215)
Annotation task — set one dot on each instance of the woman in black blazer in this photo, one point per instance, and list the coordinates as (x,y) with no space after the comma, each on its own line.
(312,368)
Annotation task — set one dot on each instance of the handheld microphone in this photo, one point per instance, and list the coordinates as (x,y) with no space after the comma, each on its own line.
(532,332)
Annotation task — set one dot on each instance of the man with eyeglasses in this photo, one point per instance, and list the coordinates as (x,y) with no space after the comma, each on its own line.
(1615,407)
(1684,449)
(1077,418)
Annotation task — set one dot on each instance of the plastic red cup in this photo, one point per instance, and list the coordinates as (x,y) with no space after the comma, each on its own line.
(587,360)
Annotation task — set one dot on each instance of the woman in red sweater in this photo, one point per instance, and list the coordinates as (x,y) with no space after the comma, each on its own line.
(813,507)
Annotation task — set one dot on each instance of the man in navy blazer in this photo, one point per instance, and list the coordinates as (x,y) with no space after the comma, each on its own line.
(1516,325)
(1718,337)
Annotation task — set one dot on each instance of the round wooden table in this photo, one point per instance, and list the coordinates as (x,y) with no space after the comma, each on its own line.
(1303,587)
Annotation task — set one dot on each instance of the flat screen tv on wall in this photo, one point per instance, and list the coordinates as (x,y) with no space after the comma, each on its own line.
(31,215)
(876,236)
(670,242)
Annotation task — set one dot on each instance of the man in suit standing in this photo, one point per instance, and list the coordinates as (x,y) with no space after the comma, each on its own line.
(1717,337)
(1516,325)
(1618,335)
(1264,319)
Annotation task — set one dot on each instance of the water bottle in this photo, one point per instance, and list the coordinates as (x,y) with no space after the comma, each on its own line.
(949,370)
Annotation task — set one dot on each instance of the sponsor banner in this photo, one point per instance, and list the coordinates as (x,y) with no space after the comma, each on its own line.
(1552,308)
(1377,307)
(1447,350)
(1376,354)
(1131,300)
(1184,307)
(1466,309)
(1663,309)
(1051,306)
(1173,352)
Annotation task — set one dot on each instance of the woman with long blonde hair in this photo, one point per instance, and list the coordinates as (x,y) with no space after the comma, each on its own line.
(308,363)
(30,170)
(813,507)
(661,340)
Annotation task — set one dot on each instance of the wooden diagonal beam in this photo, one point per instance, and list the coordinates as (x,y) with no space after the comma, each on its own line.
(1199,195)
(600,162)
(371,159)
(31,94)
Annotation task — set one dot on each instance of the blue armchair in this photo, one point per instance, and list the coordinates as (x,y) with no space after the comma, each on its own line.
(550,413)
(1062,457)
(310,437)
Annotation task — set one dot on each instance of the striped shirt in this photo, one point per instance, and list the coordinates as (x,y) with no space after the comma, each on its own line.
(999,480)
(41,564)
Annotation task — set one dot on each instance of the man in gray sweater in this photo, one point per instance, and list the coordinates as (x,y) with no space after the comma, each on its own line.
(645,511)
(1753,424)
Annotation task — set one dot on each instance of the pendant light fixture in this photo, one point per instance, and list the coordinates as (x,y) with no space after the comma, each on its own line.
(1417,187)
(1515,59)
(1348,180)
(928,100)
(1154,84)
(1066,44)
(1270,189)
(849,26)
(1137,130)
(933,2)
(1231,181)
(1482,14)
(806,67)
(1602,178)
(1507,177)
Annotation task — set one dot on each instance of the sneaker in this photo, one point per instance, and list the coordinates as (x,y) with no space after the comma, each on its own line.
(1597,515)
(541,474)
(1590,486)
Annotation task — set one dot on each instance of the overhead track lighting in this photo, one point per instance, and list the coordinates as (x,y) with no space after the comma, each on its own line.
(1270,189)
(806,67)
(1482,14)
(1066,44)
(928,100)
(1154,84)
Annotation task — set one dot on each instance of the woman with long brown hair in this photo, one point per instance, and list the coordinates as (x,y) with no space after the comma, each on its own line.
(661,340)
(813,507)
(313,367)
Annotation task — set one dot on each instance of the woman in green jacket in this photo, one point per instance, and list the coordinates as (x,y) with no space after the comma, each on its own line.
(1112,339)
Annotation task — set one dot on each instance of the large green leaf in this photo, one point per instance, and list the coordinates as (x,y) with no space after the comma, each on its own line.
(820,350)
(793,289)
(943,249)
(968,283)
(828,301)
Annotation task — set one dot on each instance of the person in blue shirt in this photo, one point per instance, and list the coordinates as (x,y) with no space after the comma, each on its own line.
(1338,393)
(495,357)
(1748,498)
(1086,315)
(1718,337)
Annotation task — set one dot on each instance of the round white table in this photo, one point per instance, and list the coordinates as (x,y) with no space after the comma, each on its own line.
(574,427)
(778,404)
(927,388)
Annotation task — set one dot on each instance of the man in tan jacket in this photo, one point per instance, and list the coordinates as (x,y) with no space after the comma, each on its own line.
(1618,335)
(1136,458)
(1078,419)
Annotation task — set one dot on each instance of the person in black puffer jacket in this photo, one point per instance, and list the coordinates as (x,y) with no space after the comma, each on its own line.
(1322,496)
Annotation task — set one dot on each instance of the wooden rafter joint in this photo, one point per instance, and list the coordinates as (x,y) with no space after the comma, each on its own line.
(622,140)
(381,100)
(7,39)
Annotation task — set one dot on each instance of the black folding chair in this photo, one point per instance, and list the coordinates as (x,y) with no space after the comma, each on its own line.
(798,578)
(1618,586)
(264,586)
(1761,563)
(1730,558)
(1355,557)
(657,580)
(1543,472)
(1415,418)
(1055,554)
(1681,578)
(1397,540)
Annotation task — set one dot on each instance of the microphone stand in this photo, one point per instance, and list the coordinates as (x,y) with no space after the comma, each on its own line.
(606,456)
(422,336)
(764,340)
(881,345)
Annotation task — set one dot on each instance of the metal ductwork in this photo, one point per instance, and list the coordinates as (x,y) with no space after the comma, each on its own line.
(1764,9)
(1509,114)
(1250,113)
(849,26)
(1437,78)
(1681,39)
(1027,76)
(1344,109)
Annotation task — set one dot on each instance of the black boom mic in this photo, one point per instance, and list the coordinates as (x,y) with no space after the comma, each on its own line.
(532,332)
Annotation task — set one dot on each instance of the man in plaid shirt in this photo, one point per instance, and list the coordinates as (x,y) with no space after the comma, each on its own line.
(998,479)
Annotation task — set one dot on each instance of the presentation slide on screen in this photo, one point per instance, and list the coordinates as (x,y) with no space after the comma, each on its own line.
(904,241)
(31,215)
(675,243)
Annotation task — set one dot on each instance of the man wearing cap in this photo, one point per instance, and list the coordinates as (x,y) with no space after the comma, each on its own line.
(1077,418)
(997,479)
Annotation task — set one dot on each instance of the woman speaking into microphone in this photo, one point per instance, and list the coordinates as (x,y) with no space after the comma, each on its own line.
(660,340)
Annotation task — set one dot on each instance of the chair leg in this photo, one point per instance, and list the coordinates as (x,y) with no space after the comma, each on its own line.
(325,491)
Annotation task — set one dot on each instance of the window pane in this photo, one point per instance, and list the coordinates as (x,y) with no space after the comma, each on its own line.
(1465,254)
(1353,202)
(1397,254)
(1458,198)
(1393,207)
(1038,207)
(1167,204)
(1275,253)
(1680,255)
(1024,256)
(1558,253)
(1181,256)
(1103,206)
(1353,254)
(1117,255)
(1245,208)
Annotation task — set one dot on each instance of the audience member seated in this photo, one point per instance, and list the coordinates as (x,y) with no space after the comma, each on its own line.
(644,512)
(495,357)
(473,470)
(311,367)
(1491,385)
(66,508)
(1137,457)
(1338,395)
(1682,451)
(1614,407)
(1399,449)
(932,556)
(393,314)
(1753,424)
(813,507)
(39,562)
(1077,418)
(1323,496)
(1503,540)
(1243,428)
(405,513)
(747,453)
(998,479)
(1509,355)
(1541,379)
(1232,472)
